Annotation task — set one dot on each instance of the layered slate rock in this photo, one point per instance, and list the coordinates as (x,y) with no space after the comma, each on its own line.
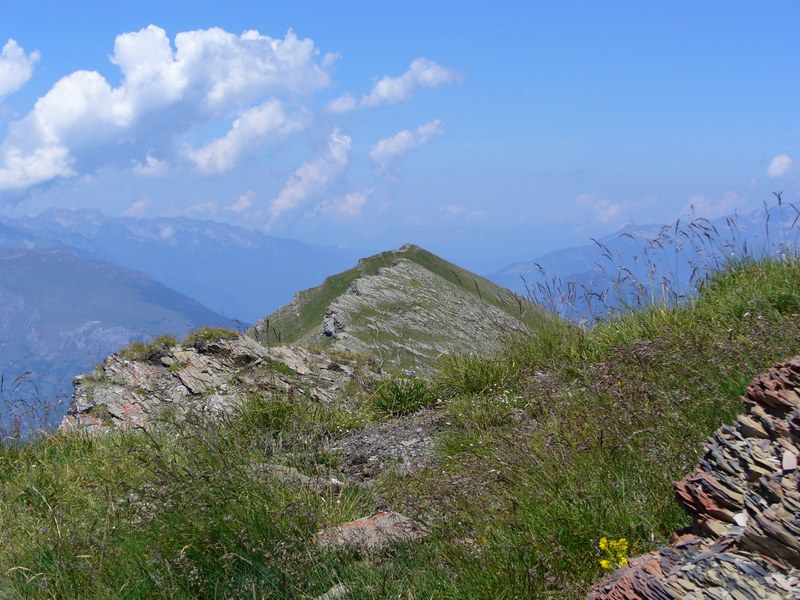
(211,377)
(744,500)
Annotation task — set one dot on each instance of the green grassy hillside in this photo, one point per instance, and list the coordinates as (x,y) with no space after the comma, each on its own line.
(307,310)
(568,436)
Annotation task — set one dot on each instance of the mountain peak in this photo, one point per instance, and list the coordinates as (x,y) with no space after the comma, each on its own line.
(406,306)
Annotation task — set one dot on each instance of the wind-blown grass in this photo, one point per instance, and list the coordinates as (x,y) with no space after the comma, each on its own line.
(572,435)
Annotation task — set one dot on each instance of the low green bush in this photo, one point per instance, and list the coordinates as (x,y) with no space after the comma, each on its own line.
(402,396)
(469,374)
(149,351)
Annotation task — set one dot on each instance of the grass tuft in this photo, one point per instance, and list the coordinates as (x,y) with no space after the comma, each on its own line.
(402,396)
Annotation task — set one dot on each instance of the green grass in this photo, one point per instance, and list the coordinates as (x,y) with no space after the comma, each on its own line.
(210,334)
(288,325)
(402,396)
(569,436)
(149,351)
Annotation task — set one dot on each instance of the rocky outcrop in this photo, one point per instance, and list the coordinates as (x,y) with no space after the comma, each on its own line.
(210,377)
(405,315)
(744,500)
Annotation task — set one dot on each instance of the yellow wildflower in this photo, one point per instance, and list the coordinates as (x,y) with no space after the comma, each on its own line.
(616,552)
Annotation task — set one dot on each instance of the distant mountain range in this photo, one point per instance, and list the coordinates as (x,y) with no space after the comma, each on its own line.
(238,272)
(639,264)
(61,314)
(76,286)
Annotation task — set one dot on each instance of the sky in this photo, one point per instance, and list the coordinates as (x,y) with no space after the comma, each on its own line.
(481,131)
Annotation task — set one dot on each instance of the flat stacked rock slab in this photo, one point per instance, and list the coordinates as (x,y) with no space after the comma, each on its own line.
(744,500)
(211,378)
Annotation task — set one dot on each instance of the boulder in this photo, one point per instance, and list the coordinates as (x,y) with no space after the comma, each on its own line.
(744,501)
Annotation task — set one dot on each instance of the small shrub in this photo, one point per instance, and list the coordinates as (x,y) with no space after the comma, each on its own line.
(469,374)
(279,367)
(210,334)
(150,351)
(402,396)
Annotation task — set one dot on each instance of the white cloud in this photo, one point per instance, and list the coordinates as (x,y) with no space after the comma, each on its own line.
(349,206)
(137,208)
(701,206)
(204,207)
(253,127)
(19,170)
(389,149)
(312,177)
(779,166)
(604,210)
(151,167)
(453,210)
(83,122)
(242,203)
(422,73)
(342,104)
(16,68)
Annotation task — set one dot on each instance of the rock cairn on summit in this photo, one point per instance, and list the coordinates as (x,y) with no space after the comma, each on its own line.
(744,500)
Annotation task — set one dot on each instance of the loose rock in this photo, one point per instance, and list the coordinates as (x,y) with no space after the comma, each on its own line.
(371,534)
(744,500)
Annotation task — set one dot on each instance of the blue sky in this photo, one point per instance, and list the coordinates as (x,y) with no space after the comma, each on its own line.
(477,130)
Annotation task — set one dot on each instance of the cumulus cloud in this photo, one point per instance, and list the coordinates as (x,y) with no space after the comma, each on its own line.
(312,177)
(702,206)
(151,167)
(779,166)
(349,206)
(16,67)
(211,74)
(343,104)
(243,202)
(253,127)
(137,208)
(604,210)
(422,73)
(390,149)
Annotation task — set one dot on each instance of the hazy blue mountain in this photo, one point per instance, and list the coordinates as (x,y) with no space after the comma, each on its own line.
(642,263)
(61,314)
(241,273)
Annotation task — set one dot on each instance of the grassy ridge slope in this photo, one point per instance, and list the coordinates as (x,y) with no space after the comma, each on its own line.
(307,310)
(569,436)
